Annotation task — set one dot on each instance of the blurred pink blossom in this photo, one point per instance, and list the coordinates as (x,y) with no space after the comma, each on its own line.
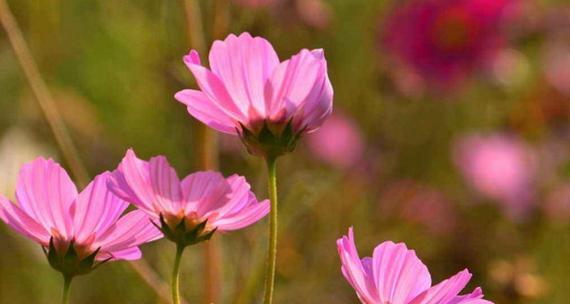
(557,205)
(420,204)
(87,226)
(444,41)
(338,142)
(255,3)
(394,274)
(501,168)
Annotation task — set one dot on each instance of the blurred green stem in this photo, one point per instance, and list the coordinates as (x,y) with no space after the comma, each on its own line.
(176,275)
(272,255)
(66,287)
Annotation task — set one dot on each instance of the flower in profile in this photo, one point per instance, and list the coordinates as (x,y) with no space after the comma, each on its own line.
(248,92)
(444,41)
(500,168)
(190,210)
(78,231)
(338,142)
(394,274)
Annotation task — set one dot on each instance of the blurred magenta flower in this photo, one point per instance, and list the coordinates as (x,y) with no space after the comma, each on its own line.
(203,202)
(249,93)
(395,275)
(338,142)
(75,230)
(499,167)
(445,40)
(557,204)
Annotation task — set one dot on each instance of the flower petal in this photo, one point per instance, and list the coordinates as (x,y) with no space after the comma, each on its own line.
(298,86)
(475,297)
(355,271)
(206,111)
(253,212)
(22,222)
(131,230)
(204,191)
(46,193)
(244,64)
(96,209)
(152,186)
(214,88)
(444,292)
(399,274)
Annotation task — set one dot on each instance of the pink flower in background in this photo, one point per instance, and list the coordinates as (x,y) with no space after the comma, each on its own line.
(338,142)
(204,200)
(557,204)
(395,275)
(419,204)
(500,168)
(90,226)
(444,41)
(250,93)
(255,3)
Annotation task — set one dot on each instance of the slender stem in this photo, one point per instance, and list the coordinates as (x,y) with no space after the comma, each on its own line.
(66,287)
(272,256)
(42,93)
(176,275)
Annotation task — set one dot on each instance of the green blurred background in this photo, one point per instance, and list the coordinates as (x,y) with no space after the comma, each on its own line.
(114,66)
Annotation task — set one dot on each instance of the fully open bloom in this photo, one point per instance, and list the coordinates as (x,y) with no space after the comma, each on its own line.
(75,229)
(395,275)
(248,92)
(499,167)
(190,210)
(444,41)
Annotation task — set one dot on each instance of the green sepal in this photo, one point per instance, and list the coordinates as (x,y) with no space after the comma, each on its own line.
(183,236)
(69,263)
(272,140)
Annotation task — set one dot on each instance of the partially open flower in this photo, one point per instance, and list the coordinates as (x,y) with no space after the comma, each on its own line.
(76,230)
(191,210)
(248,92)
(394,274)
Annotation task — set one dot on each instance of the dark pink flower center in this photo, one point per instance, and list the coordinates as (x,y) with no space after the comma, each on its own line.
(452,30)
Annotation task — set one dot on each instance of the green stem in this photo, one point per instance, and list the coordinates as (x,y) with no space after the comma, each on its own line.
(66,284)
(272,256)
(176,275)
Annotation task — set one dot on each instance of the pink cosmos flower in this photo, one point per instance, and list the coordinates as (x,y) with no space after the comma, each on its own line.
(395,275)
(337,142)
(248,92)
(201,203)
(88,226)
(499,167)
(444,41)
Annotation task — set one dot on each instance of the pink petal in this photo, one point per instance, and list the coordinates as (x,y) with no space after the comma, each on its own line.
(237,199)
(244,217)
(22,222)
(131,230)
(355,271)
(206,111)
(152,186)
(244,64)
(45,192)
(399,274)
(214,88)
(129,254)
(204,191)
(445,291)
(96,209)
(475,297)
(298,86)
